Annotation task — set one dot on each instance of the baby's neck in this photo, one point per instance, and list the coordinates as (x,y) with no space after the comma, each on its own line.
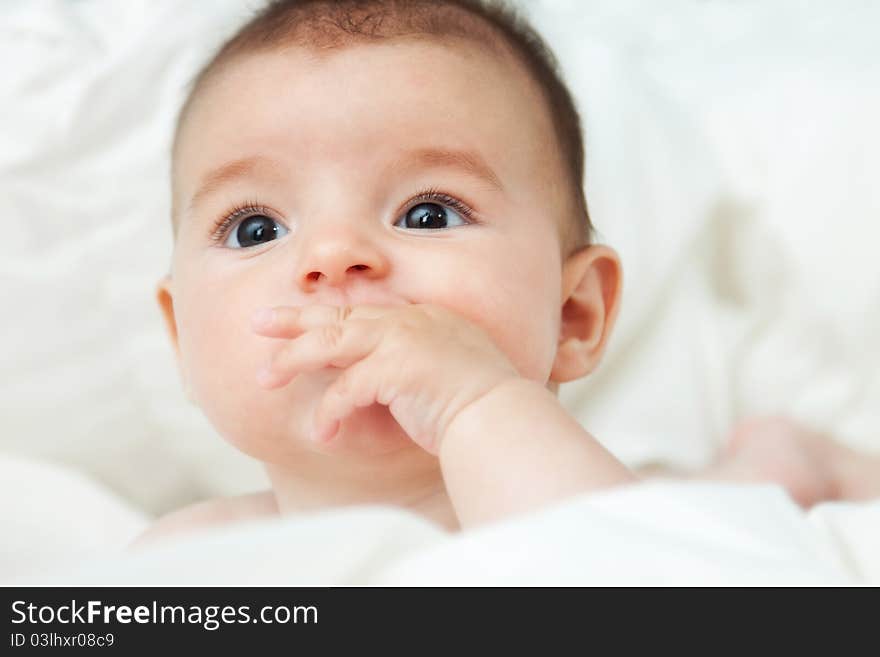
(409,479)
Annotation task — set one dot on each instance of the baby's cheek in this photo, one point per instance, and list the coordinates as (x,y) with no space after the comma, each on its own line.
(224,353)
(520,325)
(217,369)
(527,330)
(224,365)
(221,354)
(530,345)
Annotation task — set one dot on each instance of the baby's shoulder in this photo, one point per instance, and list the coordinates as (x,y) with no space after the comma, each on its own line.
(210,513)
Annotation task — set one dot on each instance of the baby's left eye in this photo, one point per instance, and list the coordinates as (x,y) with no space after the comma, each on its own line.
(430,215)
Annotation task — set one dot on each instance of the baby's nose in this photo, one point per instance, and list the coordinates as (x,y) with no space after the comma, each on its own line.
(334,260)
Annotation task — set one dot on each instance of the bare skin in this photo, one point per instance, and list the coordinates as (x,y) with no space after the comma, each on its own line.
(811,466)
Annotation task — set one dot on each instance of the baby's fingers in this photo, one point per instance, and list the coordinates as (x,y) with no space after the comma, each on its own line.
(355,388)
(290,321)
(329,345)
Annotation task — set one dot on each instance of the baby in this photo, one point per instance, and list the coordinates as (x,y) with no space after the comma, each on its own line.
(384,267)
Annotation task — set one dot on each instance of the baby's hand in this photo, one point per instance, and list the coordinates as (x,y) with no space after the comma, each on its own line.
(423,361)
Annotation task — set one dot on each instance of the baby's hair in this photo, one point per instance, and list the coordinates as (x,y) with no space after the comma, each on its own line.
(327,25)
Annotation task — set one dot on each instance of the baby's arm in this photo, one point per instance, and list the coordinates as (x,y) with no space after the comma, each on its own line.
(517,449)
(811,466)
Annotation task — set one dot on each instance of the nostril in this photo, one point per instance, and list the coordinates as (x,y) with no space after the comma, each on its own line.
(313,276)
(358,267)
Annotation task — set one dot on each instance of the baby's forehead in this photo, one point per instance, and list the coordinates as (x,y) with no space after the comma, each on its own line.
(428,62)
(366,98)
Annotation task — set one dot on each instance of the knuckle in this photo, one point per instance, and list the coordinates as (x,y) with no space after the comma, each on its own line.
(330,335)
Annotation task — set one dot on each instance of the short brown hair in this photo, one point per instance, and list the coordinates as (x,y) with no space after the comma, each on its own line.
(331,24)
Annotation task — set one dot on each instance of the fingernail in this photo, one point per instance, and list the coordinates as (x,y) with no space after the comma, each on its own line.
(263,318)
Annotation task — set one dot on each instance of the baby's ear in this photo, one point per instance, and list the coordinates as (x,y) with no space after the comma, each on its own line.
(592,280)
(165,298)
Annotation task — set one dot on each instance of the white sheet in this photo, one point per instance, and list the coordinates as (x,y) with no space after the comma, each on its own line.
(53,516)
(650,534)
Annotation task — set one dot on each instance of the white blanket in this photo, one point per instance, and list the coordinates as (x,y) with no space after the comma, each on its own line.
(649,534)
(52,516)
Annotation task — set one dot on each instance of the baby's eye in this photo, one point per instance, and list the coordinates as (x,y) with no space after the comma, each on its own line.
(429,215)
(254,230)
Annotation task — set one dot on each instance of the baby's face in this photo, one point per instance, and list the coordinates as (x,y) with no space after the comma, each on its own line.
(360,168)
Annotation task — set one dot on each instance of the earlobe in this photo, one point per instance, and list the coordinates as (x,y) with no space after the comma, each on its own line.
(592,282)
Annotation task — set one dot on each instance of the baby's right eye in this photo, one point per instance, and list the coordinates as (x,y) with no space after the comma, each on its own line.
(254,230)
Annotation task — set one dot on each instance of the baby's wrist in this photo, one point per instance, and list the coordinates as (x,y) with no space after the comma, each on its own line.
(478,415)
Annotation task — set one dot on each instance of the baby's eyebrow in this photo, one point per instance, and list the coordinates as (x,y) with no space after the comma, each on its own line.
(241,168)
(468,161)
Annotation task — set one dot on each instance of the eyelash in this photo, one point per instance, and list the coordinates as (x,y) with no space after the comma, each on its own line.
(255,208)
(238,212)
